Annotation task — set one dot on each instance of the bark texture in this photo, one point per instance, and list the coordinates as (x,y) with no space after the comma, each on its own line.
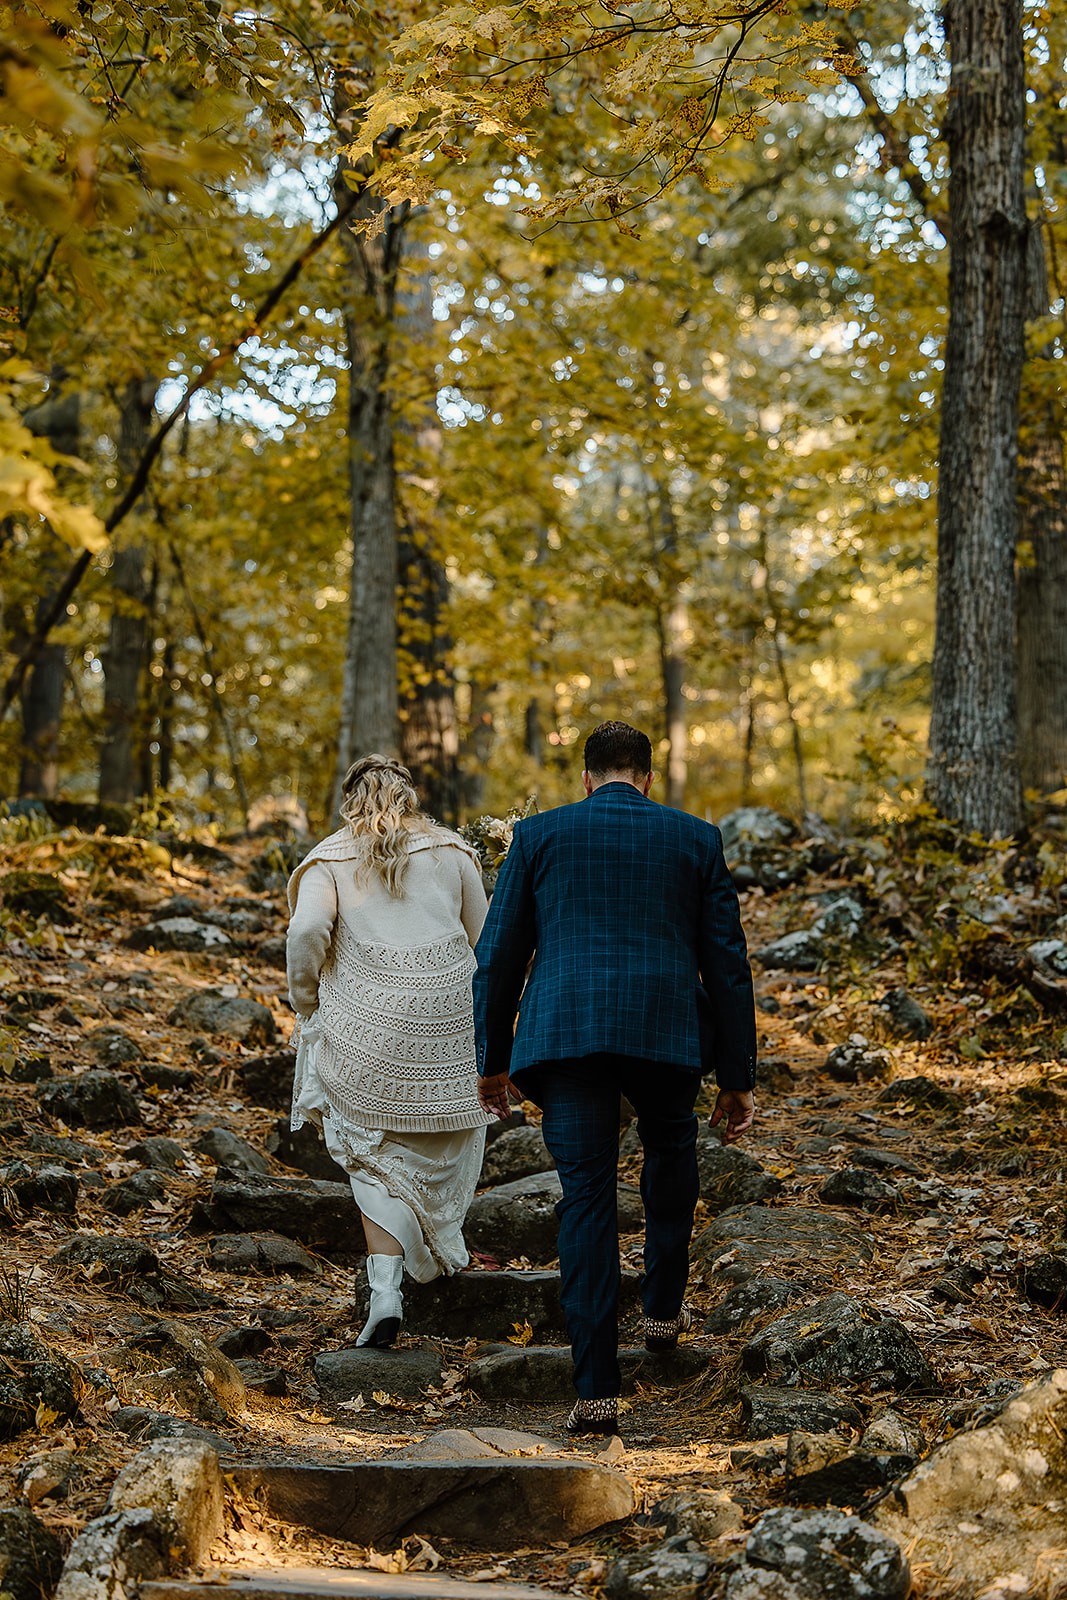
(973,775)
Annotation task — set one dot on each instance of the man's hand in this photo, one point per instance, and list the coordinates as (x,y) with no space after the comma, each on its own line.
(738,1106)
(493,1095)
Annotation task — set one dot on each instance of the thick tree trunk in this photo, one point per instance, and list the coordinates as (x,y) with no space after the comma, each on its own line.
(124,656)
(477,748)
(369,696)
(671,629)
(59,421)
(973,775)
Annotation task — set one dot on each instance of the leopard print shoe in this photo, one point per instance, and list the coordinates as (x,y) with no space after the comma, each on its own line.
(594,1416)
(661,1335)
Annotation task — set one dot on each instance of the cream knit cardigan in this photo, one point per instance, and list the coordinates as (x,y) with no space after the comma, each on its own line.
(391,979)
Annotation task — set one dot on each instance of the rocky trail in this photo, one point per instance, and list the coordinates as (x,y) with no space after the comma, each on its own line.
(876,1398)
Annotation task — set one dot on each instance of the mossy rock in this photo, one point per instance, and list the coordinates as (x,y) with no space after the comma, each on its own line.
(36,894)
(32,1374)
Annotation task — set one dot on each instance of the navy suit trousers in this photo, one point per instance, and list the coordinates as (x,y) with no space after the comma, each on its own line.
(580,1105)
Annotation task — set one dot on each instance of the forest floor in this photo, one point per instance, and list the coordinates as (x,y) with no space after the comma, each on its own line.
(997,1168)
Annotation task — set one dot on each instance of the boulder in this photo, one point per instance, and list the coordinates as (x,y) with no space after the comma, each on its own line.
(767,1411)
(492,1305)
(270,1253)
(842,918)
(262,1377)
(33,1374)
(36,894)
(731,1177)
(50,1144)
(840,1341)
(130,1266)
(234,1017)
(113,1047)
(756,842)
(165,1155)
(892,1434)
(793,952)
(160,1076)
(818,1555)
(228,1149)
(521,1153)
(112,1555)
(747,1238)
(139,1192)
(95,1099)
(180,933)
(495,1504)
(819,1468)
(852,1186)
(987,1506)
(536,1374)
(180,1483)
(886,1161)
(240,924)
(405,1373)
(908,1019)
(268,1079)
(519,1219)
(660,1573)
(751,1301)
(311,1210)
(305,1150)
(855,1061)
(697,1514)
(473,1444)
(174,1361)
(44,1188)
(240,1343)
(30,1555)
(145,1425)
(47,1474)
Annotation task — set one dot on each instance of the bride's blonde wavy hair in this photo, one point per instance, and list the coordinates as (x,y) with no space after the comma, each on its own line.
(379,803)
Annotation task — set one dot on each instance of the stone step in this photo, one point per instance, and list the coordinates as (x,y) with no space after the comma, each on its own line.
(488,1305)
(330,1583)
(544,1373)
(494,1504)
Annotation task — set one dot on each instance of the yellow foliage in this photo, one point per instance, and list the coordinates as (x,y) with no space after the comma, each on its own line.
(28,488)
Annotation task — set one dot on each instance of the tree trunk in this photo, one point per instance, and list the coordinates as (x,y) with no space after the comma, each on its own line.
(124,656)
(671,629)
(973,775)
(369,697)
(1041,574)
(59,421)
(477,747)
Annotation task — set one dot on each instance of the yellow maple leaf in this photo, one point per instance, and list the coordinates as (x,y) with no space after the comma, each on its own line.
(523,1333)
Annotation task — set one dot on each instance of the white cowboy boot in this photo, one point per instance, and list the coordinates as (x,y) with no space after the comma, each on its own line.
(384,1274)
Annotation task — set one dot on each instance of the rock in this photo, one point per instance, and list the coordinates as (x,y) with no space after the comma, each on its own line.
(987,1506)
(174,1361)
(491,1305)
(852,1186)
(958,1284)
(262,1377)
(165,1155)
(406,1373)
(522,1153)
(179,905)
(886,1161)
(768,1411)
(793,952)
(923,1093)
(97,1099)
(751,1300)
(36,894)
(855,1061)
(112,1555)
(818,1555)
(496,1130)
(1053,952)
(842,919)
(659,1573)
(519,1219)
(32,1374)
(239,1343)
(545,1373)
(228,1149)
(49,1144)
(494,1504)
(731,1177)
(272,952)
(49,1474)
(180,1483)
(268,1079)
(463,1444)
(179,933)
(32,1069)
(909,1019)
(259,1252)
(43,1188)
(129,1265)
(144,1425)
(160,1076)
(309,1209)
(839,1341)
(753,1237)
(1045,1280)
(820,1468)
(113,1047)
(697,1514)
(893,1434)
(756,843)
(304,1150)
(232,1016)
(138,1192)
(30,1555)
(242,924)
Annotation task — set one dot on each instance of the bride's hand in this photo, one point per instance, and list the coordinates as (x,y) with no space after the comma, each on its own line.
(493,1095)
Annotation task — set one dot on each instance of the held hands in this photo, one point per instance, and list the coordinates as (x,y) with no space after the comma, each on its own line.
(738,1106)
(493,1095)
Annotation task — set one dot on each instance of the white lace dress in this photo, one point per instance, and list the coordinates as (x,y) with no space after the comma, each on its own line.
(385,1042)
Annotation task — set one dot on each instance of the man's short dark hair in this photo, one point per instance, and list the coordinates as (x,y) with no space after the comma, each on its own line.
(616,747)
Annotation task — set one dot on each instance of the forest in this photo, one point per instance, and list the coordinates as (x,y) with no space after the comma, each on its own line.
(447,383)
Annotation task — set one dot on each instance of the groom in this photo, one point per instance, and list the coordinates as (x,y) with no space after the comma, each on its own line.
(640,984)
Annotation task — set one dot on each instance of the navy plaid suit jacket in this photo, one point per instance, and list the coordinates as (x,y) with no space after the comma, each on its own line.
(639,947)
